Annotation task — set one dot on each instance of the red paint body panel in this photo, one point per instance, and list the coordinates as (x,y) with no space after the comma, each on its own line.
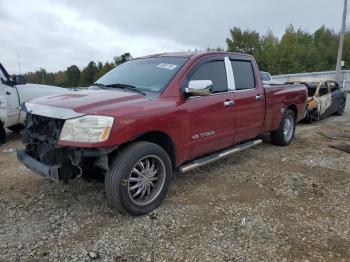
(182,118)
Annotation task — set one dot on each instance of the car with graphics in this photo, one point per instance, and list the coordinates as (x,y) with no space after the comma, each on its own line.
(325,98)
(153,116)
(14,90)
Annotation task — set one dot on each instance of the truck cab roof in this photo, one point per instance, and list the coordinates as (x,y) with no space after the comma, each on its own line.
(193,54)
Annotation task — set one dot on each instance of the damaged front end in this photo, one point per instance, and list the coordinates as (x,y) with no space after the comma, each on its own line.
(43,155)
(312,110)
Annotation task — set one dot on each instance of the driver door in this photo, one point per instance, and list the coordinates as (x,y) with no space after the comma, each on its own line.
(325,99)
(211,118)
(9,103)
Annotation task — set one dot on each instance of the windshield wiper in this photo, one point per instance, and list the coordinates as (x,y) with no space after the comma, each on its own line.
(99,85)
(125,86)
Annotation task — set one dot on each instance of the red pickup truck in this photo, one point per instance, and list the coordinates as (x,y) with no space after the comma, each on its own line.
(153,116)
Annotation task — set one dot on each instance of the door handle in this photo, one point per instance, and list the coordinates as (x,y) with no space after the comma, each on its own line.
(260,97)
(8,93)
(229,103)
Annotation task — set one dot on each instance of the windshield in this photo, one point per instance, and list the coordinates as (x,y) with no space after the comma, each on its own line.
(146,74)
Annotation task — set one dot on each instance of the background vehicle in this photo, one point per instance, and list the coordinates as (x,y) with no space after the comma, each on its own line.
(325,98)
(14,91)
(156,115)
(268,80)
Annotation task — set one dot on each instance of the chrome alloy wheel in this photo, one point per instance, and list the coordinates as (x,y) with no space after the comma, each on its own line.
(146,180)
(288,127)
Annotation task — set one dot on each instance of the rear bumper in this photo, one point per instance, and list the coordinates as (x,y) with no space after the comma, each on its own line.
(44,170)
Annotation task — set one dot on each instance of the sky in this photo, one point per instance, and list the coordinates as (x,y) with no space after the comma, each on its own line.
(54,34)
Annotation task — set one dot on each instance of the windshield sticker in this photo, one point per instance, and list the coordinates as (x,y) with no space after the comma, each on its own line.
(167,66)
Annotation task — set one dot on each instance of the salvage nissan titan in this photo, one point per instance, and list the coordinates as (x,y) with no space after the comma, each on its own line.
(153,116)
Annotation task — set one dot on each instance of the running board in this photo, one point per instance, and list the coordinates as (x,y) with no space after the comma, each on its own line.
(211,158)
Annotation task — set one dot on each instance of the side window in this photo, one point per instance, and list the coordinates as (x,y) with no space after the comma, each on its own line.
(323,90)
(244,74)
(214,71)
(333,86)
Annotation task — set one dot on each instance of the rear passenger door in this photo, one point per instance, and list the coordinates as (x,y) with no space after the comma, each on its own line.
(249,101)
(336,95)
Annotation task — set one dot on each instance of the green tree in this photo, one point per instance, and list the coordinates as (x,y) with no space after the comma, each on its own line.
(268,53)
(72,76)
(118,60)
(247,41)
(105,68)
(88,74)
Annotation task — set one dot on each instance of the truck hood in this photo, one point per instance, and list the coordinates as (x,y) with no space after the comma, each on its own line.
(84,102)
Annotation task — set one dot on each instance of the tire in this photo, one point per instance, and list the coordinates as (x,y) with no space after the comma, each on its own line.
(284,135)
(122,180)
(16,128)
(308,119)
(341,108)
(2,134)
(311,117)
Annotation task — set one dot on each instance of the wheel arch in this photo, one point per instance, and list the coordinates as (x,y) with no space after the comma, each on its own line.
(294,109)
(160,138)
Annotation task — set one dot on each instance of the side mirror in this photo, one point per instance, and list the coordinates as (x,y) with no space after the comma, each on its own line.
(19,80)
(200,88)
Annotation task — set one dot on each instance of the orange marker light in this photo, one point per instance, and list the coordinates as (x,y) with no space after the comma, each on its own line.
(105,133)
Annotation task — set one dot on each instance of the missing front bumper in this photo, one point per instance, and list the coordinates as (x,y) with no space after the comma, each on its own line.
(69,163)
(51,172)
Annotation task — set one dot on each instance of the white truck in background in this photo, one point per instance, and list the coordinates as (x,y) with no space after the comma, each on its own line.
(268,80)
(14,91)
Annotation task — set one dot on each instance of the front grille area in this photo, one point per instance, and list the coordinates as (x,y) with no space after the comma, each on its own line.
(40,136)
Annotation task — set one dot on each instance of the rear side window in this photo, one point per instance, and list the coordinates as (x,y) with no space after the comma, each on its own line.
(333,86)
(244,74)
(214,71)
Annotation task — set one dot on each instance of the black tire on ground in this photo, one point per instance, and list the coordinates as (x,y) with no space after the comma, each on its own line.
(2,134)
(341,108)
(308,119)
(122,178)
(284,135)
(16,128)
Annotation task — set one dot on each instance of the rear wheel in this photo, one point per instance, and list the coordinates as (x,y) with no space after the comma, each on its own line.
(284,135)
(139,178)
(2,133)
(341,108)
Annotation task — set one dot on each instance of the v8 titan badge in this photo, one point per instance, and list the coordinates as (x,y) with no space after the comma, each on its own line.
(202,135)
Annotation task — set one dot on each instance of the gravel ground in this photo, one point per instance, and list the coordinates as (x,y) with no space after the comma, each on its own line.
(268,203)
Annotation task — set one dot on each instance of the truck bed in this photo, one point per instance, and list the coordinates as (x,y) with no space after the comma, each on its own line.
(276,98)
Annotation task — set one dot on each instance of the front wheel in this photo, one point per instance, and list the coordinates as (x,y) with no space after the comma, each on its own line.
(139,178)
(341,108)
(284,135)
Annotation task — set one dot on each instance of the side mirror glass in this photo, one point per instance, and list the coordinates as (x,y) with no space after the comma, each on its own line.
(20,80)
(200,88)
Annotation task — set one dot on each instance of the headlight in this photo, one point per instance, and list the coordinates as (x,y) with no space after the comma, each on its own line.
(87,129)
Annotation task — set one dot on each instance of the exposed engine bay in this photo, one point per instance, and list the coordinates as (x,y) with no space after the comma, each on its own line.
(41,136)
